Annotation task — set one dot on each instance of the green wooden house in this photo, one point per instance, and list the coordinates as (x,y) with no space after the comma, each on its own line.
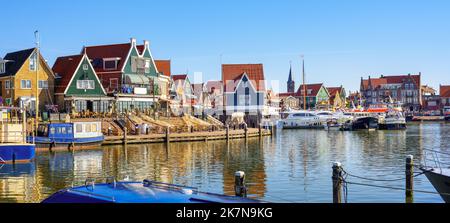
(78,86)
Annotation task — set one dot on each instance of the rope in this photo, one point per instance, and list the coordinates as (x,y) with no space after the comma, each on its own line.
(381,180)
(397,188)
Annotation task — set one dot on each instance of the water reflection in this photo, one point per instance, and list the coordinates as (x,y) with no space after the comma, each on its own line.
(292,166)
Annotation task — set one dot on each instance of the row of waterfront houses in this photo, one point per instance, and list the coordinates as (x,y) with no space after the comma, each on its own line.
(124,77)
(121,77)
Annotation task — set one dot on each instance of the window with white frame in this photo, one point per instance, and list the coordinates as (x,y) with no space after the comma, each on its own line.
(43,84)
(33,62)
(113,83)
(2,68)
(85,84)
(8,84)
(110,64)
(25,84)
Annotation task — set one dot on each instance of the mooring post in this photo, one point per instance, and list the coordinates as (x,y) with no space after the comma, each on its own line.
(337,182)
(125,135)
(227,129)
(409,172)
(246,131)
(260,131)
(167,135)
(239,184)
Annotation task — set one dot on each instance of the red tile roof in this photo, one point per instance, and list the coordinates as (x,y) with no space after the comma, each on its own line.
(108,51)
(334,90)
(311,90)
(285,95)
(179,77)
(65,67)
(232,73)
(163,66)
(396,79)
(140,48)
(444,91)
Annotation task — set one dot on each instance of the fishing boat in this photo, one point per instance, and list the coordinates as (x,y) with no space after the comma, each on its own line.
(139,192)
(301,120)
(75,135)
(392,121)
(13,145)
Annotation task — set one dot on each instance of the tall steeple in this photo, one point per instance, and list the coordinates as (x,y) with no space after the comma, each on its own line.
(290,82)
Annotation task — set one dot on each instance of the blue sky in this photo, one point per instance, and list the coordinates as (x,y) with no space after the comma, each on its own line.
(341,40)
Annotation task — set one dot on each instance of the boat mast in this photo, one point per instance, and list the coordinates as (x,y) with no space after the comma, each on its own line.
(36,35)
(304,86)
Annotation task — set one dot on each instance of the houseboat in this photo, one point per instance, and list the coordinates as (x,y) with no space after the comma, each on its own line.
(75,135)
(13,145)
(301,120)
(139,192)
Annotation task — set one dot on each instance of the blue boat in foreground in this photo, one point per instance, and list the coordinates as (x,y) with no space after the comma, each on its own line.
(13,145)
(139,192)
(79,135)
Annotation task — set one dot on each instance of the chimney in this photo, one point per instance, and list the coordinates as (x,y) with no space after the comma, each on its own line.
(133,41)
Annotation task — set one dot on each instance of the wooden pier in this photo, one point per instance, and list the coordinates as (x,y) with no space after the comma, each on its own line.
(186,137)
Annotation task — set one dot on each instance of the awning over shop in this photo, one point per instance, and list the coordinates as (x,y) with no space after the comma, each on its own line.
(136,79)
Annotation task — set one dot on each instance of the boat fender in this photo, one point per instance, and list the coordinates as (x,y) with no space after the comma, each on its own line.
(186,191)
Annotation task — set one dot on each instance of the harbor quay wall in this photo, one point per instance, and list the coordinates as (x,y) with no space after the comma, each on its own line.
(185,137)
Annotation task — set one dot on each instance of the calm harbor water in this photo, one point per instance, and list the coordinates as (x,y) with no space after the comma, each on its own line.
(292,166)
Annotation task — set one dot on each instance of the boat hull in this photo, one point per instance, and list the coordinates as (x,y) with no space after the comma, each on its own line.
(396,126)
(365,123)
(16,153)
(45,143)
(441,182)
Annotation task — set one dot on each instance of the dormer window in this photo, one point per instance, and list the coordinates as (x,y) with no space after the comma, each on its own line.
(33,62)
(110,63)
(2,68)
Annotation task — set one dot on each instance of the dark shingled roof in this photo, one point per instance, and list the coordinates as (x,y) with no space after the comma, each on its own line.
(17,60)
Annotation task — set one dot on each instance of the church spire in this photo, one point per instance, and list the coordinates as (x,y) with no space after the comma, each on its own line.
(290,82)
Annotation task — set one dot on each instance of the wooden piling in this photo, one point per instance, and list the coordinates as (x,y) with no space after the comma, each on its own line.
(337,182)
(246,131)
(167,135)
(125,135)
(239,184)
(409,184)
(227,129)
(260,131)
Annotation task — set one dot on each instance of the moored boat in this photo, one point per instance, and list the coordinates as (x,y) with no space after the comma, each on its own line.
(440,179)
(361,123)
(13,145)
(139,192)
(76,135)
(392,121)
(301,120)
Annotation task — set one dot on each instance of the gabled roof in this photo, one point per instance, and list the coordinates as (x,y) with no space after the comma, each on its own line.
(179,77)
(163,67)
(217,85)
(97,53)
(394,79)
(444,91)
(197,89)
(17,59)
(311,89)
(285,95)
(232,73)
(333,90)
(65,67)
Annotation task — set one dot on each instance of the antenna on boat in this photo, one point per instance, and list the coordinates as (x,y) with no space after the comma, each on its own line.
(304,86)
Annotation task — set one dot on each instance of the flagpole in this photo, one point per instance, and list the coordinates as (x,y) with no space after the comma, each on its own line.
(36,35)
